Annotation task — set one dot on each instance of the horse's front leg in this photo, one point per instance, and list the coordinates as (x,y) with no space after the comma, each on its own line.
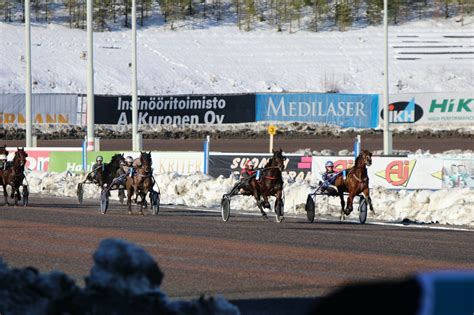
(129,199)
(341,197)
(266,204)
(5,194)
(259,204)
(278,202)
(369,200)
(142,203)
(350,200)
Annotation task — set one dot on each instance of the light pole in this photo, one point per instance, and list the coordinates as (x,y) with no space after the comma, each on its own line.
(135,135)
(28,115)
(90,79)
(387,136)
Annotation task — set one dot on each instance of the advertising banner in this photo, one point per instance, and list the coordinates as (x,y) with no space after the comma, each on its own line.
(345,110)
(176,110)
(37,160)
(431,109)
(183,163)
(297,166)
(46,109)
(391,172)
(163,162)
(72,161)
(458,173)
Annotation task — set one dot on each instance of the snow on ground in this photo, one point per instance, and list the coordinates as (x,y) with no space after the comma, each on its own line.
(454,206)
(222,59)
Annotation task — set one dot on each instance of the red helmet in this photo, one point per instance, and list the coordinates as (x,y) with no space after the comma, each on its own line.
(249,164)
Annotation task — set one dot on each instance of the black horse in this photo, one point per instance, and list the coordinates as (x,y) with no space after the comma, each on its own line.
(104,176)
(269,183)
(14,175)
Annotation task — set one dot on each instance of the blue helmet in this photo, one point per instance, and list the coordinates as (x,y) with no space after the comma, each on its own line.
(329,163)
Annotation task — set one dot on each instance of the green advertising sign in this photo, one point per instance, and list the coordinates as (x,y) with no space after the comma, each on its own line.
(72,161)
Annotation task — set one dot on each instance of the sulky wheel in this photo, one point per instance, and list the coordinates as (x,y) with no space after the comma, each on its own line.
(80,193)
(104,201)
(362,209)
(310,208)
(121,195)
(155,202)
(25,194)
(225,208)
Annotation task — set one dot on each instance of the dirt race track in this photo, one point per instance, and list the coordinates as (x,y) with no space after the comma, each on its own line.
(433,144)
(247,257)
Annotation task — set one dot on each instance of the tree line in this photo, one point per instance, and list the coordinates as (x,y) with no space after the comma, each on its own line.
(282,15)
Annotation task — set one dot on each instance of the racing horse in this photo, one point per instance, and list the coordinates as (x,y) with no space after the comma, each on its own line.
(107,173)
(270,184)
(104,176)
(354,182)
(3,165)
(140,183)
(14,175)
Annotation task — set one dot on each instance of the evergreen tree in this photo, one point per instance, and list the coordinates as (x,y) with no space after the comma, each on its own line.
(374,11)
(343,14)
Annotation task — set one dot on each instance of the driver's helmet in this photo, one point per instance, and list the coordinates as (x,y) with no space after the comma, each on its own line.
(329,164)
(249,165)
(99,159)
(129,159)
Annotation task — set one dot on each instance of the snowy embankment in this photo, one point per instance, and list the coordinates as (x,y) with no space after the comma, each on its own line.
(454,206)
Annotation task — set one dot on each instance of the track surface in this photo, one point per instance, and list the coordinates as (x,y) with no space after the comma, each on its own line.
(246,257)
(434,145)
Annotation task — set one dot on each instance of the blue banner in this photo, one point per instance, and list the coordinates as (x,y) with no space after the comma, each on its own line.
(344,110)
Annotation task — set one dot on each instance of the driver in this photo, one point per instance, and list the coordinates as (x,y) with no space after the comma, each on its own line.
(129,168)
(98,164)
(3,161)
(248,170)
(328,176)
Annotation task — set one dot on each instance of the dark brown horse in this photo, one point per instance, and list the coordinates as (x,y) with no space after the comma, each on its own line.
(3,162)
(141,182)
(270,184)
(105,175)
(14,175)
(355,181)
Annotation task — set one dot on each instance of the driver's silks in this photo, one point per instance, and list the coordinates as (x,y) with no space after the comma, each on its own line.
(344,174)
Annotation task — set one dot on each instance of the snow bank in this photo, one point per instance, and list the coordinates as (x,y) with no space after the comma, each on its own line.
(125,279)
(453,206)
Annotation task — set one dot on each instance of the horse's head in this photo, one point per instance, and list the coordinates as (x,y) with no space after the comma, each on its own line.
(145,160)
(366,157)
(3,149)
(20,157)
(117,159)
(278,160)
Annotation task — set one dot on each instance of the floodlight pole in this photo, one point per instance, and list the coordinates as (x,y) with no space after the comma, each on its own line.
(135,136)
(90,79)
(387,136)
(28,116)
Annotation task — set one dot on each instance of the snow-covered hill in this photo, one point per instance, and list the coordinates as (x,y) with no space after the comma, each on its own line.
(223,59)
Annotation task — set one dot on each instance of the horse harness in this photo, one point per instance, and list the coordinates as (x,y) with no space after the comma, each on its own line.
(356,177)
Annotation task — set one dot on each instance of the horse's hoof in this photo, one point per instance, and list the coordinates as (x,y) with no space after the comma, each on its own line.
(265,217)
(129,212)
